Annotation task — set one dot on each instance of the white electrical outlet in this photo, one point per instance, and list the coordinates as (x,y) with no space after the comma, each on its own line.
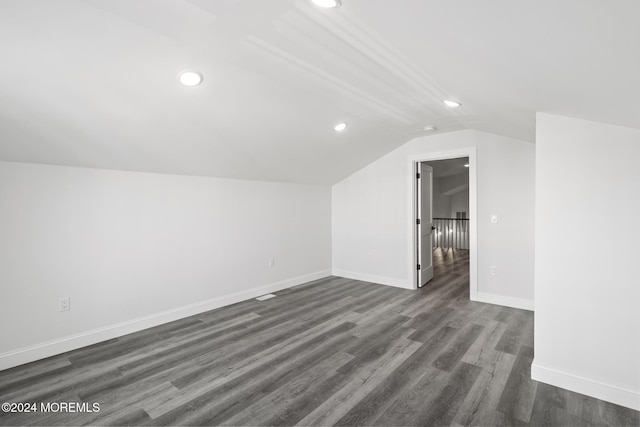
(493,270)
(64,304)
(272,262)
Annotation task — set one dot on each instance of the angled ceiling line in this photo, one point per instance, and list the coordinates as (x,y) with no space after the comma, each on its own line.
(350,65)
(365,41)
(346,88)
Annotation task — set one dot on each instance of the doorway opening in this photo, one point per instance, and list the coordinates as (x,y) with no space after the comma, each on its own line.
(444,219)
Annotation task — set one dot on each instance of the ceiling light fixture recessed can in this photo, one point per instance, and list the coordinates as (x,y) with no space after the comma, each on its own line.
(430,128)
(190,78)
(327,3)
(451,103)
(341,126)
(466,165)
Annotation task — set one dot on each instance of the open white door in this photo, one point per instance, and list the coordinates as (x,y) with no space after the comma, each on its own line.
(424,223)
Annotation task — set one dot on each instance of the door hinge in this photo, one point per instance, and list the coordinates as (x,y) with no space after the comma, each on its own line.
(418,267)
(418,176)
(418,221)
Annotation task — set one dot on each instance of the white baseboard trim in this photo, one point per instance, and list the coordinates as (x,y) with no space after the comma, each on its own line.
(489,298)
(589,387)
(389,281)
(73,342)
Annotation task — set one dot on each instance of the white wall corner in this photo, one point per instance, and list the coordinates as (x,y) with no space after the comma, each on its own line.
(523,304)
(586,386)
(51,348)
(381,280)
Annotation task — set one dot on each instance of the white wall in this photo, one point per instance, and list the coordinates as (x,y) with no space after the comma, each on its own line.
(451,184)
(587,323)
(370,216)
(133,250)
(441,204)
(446,205)
(460,203)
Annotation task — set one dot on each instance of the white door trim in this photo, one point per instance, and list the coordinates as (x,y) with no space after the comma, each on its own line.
(469,152)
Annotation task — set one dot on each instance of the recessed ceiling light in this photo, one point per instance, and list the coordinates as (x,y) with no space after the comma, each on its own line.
(452,103)
(190,78)
(341,126)
(327,3)
(466,165)
(430,128)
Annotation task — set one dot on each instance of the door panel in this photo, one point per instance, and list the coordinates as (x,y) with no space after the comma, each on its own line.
(425,214)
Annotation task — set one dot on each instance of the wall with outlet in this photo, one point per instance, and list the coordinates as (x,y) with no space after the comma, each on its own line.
(587,323)
(371,211)
(131,250)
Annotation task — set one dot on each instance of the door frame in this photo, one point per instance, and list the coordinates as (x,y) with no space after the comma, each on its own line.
(412,198)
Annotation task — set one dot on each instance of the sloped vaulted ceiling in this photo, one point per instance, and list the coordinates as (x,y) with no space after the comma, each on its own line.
(93,82)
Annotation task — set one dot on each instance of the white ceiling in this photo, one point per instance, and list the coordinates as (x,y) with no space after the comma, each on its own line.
(449,167)
(93,82)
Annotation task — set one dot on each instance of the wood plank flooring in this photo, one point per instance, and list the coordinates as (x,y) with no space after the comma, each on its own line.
(331,352)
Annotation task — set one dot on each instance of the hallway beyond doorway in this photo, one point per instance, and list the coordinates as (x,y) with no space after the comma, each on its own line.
(450,271)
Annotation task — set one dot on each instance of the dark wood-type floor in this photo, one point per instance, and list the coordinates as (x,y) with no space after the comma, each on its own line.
(331,352)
